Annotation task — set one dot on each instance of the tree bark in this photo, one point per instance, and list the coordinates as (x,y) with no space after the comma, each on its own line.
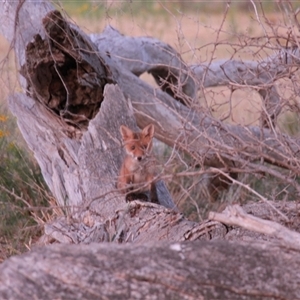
(145,54)
(198,270)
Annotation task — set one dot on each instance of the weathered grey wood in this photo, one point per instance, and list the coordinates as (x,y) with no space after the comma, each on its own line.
(265,211)
(198,270)
(266,71)
(76,171)
(235,216)
(249,73)
(146,54)
(19,24)
(140,55)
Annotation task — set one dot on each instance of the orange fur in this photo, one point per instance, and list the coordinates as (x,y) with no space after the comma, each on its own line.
(137,171)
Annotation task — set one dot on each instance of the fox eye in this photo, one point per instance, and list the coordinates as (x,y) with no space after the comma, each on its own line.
(132,147)
(144,146)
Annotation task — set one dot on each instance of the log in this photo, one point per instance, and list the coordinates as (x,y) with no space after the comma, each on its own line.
(235,215)
(146,54)
(197,270)
(140,55)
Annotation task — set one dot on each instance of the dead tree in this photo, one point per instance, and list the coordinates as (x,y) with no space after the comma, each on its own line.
(78,90)
(193,270)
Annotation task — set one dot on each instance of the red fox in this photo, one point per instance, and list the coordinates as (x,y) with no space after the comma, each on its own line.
(137,171)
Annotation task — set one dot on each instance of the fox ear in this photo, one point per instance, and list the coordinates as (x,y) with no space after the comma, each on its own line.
(148,131)
(125,132)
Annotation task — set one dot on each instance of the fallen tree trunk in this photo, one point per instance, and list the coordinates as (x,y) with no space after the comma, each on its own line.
(139,55)
(198,270)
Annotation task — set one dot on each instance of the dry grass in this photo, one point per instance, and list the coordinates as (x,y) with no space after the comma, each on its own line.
(24,199)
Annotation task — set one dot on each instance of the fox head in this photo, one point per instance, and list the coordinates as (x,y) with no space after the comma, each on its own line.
(137,144)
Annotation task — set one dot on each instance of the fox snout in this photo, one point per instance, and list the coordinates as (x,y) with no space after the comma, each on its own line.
(137,155)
